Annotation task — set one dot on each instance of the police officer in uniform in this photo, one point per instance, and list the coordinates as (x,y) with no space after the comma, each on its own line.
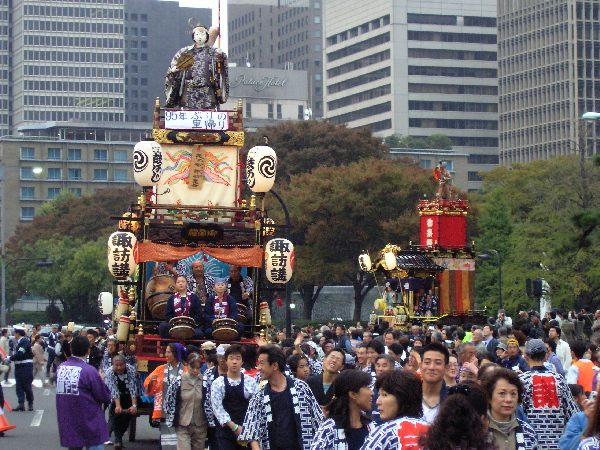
(23,360)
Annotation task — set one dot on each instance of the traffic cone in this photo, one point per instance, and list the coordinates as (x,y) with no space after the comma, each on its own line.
(4,425)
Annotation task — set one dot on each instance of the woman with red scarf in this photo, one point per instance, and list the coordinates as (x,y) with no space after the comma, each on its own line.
(182,303)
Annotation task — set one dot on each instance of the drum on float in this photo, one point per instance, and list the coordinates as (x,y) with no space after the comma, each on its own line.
(224,329)
(158,291)
(181,327)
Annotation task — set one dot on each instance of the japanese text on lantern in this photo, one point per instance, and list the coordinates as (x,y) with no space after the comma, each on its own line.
(122,246)
(196,120)
(279,250)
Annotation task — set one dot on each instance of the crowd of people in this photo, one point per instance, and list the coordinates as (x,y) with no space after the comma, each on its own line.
(509,384)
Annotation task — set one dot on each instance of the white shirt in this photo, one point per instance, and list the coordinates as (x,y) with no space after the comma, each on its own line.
(429,414)
(563,351)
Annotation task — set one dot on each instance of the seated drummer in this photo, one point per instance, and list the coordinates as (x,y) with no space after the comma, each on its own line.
(182,303)
(220,306)
(240,288)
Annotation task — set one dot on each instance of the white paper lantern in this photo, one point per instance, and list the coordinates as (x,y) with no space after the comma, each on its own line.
(147,163)
(364,262)
(279,260)
(121,261)
(105,301)
(261,167)
(389,259)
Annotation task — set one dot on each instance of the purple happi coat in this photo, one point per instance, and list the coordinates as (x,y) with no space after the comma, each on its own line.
(80,393)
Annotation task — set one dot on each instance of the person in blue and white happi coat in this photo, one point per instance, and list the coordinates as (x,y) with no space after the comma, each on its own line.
(284,414)
(346,427)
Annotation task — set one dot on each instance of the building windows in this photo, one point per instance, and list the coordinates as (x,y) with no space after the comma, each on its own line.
(360,97)
(100,175)
(74,174)
(27,153)
(362,113)
(248,110)
(359,63)
(357,81)
(54,154)
(380,125)
(431,19)
(120,156)
(461,124)
(474,176)
(121,175)
(27,212)
(425,164)
(27,192)
(100,155)
(437,36)
(367,44)
(279,112)
(452,89)
(54,173)
(270,111)
(53,193)
(75,191)
(432,71)
(26,173)
(483,159)
(300,112)
(74,154)
(317,19)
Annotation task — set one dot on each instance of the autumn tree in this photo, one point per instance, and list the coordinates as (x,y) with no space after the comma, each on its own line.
(339,211)
(305,145)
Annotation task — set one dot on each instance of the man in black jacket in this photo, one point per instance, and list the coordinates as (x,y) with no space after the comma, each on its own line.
(320,385)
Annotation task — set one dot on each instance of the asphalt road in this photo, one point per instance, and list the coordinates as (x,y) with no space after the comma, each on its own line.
(39,430)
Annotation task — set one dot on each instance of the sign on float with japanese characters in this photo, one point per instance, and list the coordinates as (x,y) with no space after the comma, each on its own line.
(196,120)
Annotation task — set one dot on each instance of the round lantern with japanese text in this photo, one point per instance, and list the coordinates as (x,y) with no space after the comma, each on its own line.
(121,261)
(279,260)
(261,166)
(364,262)
(147,163)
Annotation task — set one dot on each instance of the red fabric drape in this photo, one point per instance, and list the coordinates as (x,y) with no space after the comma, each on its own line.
(239,256)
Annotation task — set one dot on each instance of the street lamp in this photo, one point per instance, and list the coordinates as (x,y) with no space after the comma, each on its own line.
(498,259)
(44,262)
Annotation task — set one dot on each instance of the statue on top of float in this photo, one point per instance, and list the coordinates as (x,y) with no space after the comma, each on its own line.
(442,175)
(198,76)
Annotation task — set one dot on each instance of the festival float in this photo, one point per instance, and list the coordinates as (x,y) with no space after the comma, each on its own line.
(192,208)
(432,282)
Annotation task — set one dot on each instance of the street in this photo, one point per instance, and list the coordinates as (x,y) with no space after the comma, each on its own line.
(39,430)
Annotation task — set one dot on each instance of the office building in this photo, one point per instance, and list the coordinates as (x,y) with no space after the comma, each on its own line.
(4,67)
(67,61)
(549,75)
(280,34)
(49,158)
(416,68)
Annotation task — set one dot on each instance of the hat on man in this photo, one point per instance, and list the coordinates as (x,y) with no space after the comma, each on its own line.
(512,341)
(221,349)
(535,347)
(19,329)
(208,346)
(502,345)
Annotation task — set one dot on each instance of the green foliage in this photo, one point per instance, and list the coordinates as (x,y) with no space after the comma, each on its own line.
(549,233)
(79,272)
(438,141)
(303,146)
(72,232)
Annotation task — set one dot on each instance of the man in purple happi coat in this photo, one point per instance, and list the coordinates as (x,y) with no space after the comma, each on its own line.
(80,394)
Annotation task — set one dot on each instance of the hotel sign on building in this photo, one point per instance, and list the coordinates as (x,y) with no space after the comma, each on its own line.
(268,95)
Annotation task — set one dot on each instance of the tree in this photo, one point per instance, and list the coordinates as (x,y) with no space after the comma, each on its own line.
(78,274)
(84,217)
(303,146)
(339,211)
(543,197)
